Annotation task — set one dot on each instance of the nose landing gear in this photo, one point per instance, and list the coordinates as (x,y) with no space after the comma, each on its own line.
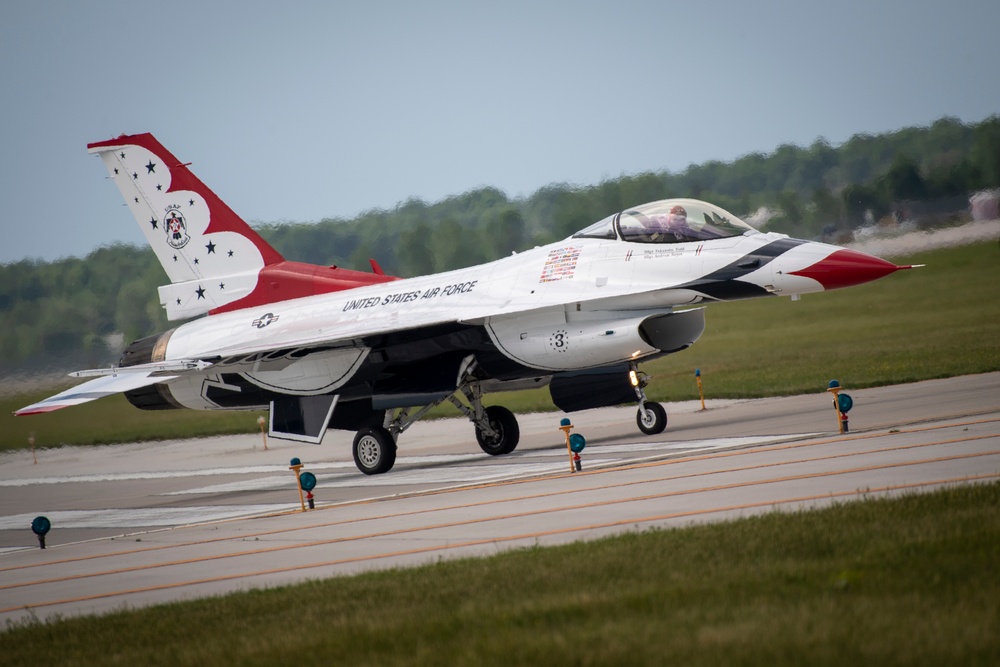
(651,418)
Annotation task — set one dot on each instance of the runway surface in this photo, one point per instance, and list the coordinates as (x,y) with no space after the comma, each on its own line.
(147,523)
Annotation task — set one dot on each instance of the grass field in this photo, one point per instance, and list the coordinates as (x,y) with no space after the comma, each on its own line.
(939,321)
(910,581)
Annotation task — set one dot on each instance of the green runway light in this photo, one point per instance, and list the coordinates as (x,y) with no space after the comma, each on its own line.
(308,481)
(40,525)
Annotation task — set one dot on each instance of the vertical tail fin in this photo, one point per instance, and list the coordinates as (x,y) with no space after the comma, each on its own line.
(214,260)
(210,254)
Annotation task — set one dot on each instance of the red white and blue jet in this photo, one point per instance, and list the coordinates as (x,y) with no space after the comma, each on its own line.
(327,347)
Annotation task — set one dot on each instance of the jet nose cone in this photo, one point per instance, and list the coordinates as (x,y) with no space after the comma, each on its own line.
(844,268)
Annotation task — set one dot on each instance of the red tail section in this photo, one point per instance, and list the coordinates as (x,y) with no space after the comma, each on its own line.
(292,280)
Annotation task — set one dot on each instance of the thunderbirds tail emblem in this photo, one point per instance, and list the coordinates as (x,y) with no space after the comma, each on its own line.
(176,228)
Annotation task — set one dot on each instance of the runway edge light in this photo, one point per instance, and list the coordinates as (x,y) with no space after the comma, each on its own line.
(307,481)
(40,526)
(565,425)
(701,391)
(295,465)
(842,403)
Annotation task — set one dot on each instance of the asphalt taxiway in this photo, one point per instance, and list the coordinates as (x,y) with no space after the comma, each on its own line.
(153,522)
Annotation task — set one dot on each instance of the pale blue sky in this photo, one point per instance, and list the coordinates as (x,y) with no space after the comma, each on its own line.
(305,110)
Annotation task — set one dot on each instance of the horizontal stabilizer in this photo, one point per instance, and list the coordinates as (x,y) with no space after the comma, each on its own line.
(197,297)
(92,390)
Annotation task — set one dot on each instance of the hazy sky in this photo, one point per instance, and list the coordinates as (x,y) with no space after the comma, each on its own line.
(305,110)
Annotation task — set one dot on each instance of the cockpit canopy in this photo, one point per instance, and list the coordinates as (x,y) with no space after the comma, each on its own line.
(668,221)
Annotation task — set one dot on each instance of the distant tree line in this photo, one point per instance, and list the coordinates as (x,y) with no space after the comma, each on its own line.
(77,311)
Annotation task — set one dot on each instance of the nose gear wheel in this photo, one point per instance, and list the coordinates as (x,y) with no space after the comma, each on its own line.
(651,418)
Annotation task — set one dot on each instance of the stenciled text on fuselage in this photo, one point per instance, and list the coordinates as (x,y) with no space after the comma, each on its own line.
(407,297)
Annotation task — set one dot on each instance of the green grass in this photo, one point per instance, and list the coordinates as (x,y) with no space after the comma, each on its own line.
(911,581)
(939,321)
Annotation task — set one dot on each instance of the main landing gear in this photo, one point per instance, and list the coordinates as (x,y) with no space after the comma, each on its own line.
(499,433)
(496,430)
(651,418)
(374,450)
(496,427)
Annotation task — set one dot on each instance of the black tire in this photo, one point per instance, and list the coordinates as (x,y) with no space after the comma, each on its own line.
(374,450)
(504,423)
(652,419)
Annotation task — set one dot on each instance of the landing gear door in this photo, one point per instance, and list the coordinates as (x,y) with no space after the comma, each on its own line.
(301,418)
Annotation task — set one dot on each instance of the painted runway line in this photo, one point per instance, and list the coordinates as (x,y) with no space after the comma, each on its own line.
(141,517)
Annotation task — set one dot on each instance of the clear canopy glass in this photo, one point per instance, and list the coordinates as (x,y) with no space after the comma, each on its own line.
(668,221)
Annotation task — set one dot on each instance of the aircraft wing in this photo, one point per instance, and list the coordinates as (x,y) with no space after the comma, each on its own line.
(94,389)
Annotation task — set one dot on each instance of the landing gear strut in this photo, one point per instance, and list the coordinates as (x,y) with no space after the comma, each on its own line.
(651,418)
(496,427)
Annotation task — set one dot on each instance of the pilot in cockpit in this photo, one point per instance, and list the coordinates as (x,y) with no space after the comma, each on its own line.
(677,224)
(667,228)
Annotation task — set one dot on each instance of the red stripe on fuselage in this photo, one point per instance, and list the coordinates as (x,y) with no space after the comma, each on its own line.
(294,280)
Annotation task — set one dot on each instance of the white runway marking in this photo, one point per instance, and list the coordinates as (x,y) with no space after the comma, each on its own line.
(170,474)
(695,445)
(132,518)
(410,470)
(398,477)
(401,475)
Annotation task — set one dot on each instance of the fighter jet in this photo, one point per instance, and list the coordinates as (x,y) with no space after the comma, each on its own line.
(331,348)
